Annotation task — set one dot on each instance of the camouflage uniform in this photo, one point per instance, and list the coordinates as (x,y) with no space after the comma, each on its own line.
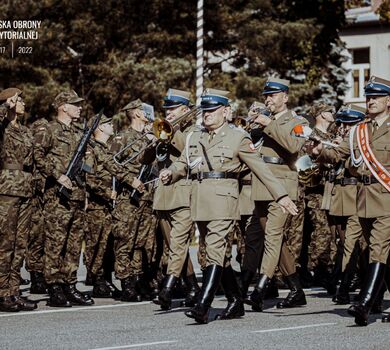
(64,219)
(36,239)
(16,179)
(129,219)
(322,248)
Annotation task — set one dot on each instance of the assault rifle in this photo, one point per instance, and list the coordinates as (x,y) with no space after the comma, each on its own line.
(76,165)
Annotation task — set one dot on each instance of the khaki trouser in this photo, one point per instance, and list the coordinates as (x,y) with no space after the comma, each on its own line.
(217,239)
(276,251)
(353,234)
(178,240)
(15,217)
(376,231)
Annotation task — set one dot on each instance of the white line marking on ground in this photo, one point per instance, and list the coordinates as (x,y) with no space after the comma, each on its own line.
(137,345)
(71,309)
(297,327)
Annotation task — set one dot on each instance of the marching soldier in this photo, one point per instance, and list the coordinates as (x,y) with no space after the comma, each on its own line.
(64,218)
(172,203)
(131,220)
(322,242)
(213,158)
(367,147)
(279,150)
(36,240)
(16,157)
(101,196)
(342,208)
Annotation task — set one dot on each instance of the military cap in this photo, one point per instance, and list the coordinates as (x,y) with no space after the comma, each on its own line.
(104,119)
(319,108)
(175,98)
(7,93)
(70,97)
(377,87)
(213,99)
(275,85)
(133,105)
(350,114)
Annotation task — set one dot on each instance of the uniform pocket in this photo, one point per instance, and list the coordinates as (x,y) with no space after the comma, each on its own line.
(226,191)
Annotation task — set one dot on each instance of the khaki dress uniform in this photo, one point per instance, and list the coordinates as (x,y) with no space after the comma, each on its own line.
(279,151)
(373,199)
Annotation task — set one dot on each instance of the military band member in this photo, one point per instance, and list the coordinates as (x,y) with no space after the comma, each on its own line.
(342,210)
(279,150)
(172,203)
(213,157)
(321,250)
(16,157)
(367,146)
(64,218)
(128,215)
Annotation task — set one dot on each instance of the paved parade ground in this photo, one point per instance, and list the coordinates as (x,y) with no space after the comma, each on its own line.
(111,324)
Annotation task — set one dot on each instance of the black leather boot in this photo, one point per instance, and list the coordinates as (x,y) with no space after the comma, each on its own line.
(57,297)
(8,305)
(24,304)
(342,292)
(272,291)
(75,296)
(129,292)
(38,284)
(90,279)
(246,280)
(296,297)
(101,289)
(371,289)
(377,307)
(164,298)
(235,306)
(193,290)
(24,281)
(257,297)
(212,277)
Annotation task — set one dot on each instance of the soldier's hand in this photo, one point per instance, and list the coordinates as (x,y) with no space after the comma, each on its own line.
(165,176)
(11,101)
(313,147)
(138,185)
(337,140)
(65,181)
(288,206)
(113,195)
(262,120)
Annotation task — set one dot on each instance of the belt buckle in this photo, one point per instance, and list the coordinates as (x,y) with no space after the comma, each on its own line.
(366,179)
(199,176)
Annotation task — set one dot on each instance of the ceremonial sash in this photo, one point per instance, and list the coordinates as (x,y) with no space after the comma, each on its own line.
(376,168)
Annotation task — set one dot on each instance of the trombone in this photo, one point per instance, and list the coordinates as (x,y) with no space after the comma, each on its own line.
(162,130)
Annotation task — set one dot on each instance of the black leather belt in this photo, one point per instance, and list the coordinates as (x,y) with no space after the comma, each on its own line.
(213,175)
(273,160)
(15,166)
(368,179)
(346,181)
(245,182)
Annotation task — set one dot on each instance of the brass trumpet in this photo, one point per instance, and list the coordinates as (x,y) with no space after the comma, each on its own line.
(162,130)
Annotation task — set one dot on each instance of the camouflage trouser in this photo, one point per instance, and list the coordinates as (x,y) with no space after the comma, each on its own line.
(203,253)
(144,246)
(15,217)
(294,232)
(96,236)
(131,227)
(64,232)
(322,247)
(36,239)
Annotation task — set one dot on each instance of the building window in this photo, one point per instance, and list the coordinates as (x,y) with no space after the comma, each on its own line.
(360,72)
